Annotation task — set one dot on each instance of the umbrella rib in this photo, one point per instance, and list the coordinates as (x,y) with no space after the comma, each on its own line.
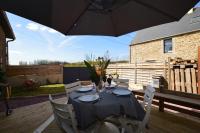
(156,9)
(114,27)
(77,19)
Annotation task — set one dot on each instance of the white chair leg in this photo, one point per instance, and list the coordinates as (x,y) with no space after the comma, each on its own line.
(123,130)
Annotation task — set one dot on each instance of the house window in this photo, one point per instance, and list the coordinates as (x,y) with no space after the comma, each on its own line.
(168,45)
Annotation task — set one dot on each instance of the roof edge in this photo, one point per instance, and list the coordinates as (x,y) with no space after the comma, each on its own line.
(198,30)
(7,26)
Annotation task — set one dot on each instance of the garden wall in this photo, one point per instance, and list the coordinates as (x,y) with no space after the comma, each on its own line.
(72,74)
(45,74)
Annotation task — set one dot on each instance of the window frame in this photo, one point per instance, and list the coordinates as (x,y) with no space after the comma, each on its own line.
(164,45)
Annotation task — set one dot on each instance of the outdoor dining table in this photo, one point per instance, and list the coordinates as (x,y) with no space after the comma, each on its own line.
(109,104)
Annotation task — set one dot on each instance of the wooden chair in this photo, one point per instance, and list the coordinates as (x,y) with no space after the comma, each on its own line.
(65,118)
(122,82)
(137,126)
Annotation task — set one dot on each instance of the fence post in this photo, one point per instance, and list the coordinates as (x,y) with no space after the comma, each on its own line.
(135,72)
(169,74)
(165,71)
(198,76)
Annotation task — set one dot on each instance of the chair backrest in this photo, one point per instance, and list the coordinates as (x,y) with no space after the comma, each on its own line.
(72,86)
(64,115)
(148,98)
(122,82)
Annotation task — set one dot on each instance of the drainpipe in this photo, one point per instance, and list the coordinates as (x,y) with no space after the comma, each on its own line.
(7,59)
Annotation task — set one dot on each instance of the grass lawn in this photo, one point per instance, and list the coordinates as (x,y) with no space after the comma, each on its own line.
(46,89)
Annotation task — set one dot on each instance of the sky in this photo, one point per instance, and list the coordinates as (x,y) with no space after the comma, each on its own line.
(37,42)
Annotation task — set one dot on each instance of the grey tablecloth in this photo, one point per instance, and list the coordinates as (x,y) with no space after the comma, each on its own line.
(108,105)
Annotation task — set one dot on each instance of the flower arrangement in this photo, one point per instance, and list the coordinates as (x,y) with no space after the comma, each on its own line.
(97,70)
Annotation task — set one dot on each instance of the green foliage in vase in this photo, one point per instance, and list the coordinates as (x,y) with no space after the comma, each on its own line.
(102,64)
(93,74)
(97,68)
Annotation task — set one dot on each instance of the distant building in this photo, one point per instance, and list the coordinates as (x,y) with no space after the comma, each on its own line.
(176,39)
(6,35)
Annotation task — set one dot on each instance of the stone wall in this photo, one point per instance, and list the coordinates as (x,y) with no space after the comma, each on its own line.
(184,46)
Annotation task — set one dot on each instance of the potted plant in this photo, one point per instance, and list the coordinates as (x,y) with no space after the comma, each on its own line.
(97,70)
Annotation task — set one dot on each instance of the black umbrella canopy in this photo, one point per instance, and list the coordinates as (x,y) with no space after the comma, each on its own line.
(99,17)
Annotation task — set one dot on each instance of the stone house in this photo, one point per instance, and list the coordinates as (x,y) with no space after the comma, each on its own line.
(175,39)
(6,35)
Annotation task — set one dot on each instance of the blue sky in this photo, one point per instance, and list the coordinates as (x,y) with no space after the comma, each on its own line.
(35,41)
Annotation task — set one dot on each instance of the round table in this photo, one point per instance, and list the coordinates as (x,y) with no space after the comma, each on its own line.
(109,104)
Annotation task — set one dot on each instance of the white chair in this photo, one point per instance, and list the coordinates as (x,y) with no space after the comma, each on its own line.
(122,82)
(72,87)
(64,116)
(130,125)
(107,127)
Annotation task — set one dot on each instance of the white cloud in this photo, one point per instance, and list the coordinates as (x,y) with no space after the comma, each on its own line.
(15,52)
(33,26)
(52,31)
(18,25)
(48,40)
(38,27)
(43,28)
(67,42)
(62,35)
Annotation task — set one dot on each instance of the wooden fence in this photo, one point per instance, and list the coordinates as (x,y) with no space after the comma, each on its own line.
(139,72)
(34,70)
(180,78)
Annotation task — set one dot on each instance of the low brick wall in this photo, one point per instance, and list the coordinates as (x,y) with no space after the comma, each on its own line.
(45,74)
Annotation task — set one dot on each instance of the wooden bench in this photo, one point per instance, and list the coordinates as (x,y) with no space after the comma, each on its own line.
(164,101)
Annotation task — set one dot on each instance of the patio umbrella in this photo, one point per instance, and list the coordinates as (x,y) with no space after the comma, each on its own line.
(99,17)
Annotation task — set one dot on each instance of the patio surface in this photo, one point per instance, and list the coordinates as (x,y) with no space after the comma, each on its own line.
(27,119)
